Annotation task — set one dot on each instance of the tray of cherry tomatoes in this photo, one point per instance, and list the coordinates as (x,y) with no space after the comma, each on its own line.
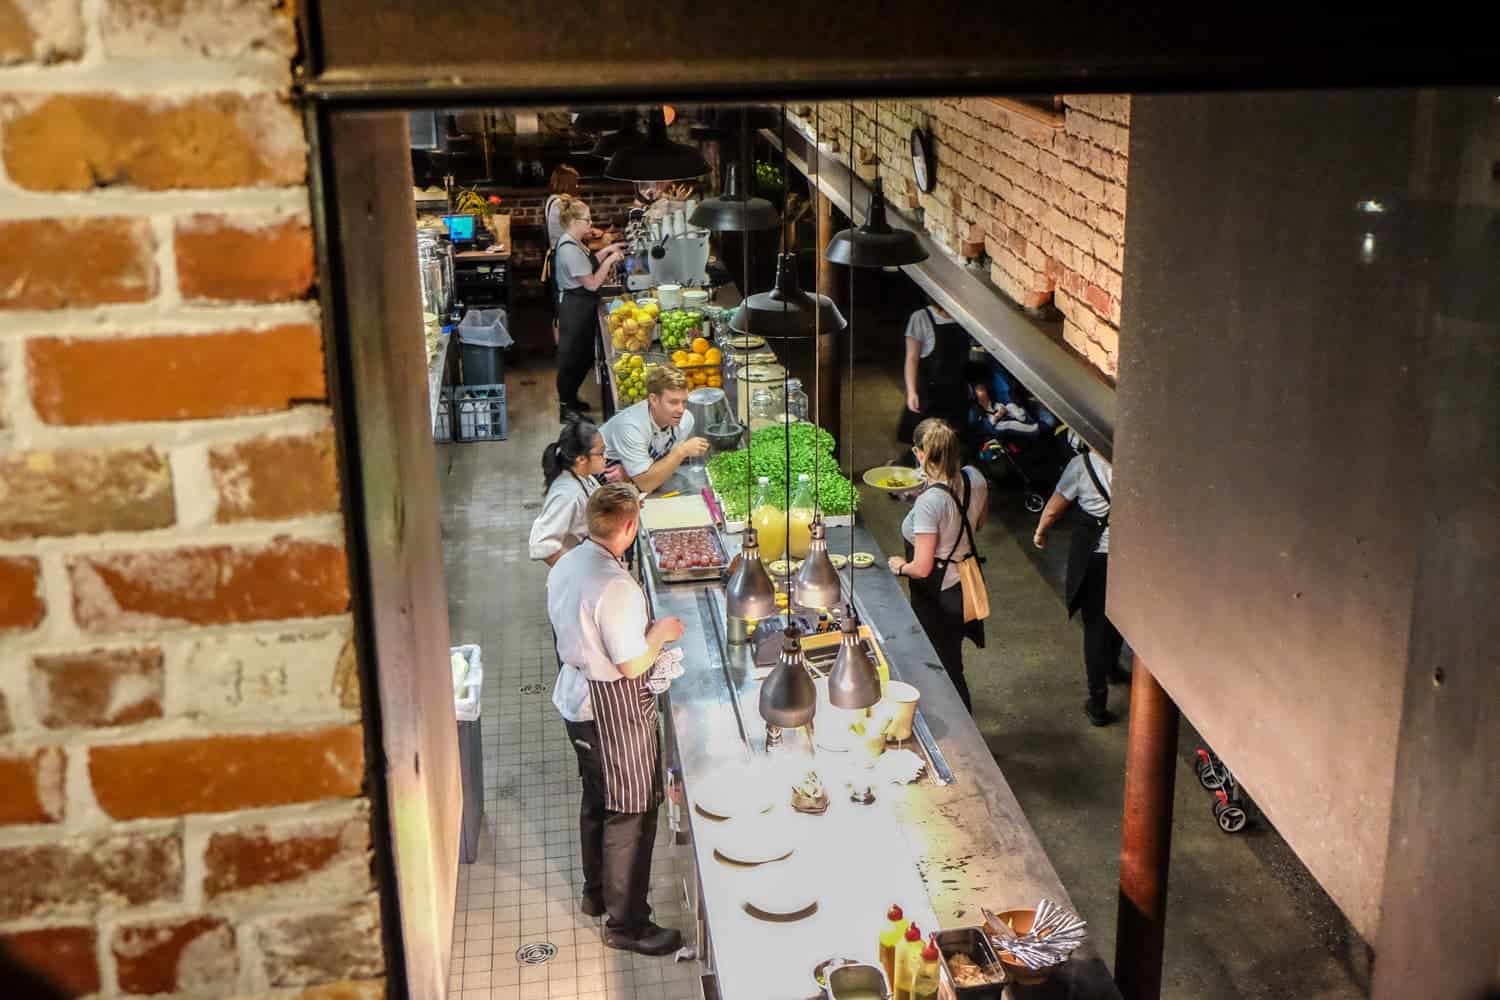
(682,554)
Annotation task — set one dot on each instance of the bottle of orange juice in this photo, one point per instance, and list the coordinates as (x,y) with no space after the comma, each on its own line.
(800,518)
(769,522)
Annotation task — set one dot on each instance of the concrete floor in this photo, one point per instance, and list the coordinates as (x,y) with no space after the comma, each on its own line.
(1245,919)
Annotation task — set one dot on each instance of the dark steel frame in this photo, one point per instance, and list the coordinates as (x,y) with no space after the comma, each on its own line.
(401,54)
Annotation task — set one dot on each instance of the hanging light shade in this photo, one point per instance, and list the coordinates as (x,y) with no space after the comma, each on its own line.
(787,696)
(855,680)
(750,595)
(658,158)
(786,312)
(817,585)
(875,244)
(610,143)
(733,211)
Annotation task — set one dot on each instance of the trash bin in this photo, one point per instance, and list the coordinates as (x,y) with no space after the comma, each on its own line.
(482,336)
(466,695)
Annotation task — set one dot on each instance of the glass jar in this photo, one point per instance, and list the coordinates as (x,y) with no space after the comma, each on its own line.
(796,401)
(766,407)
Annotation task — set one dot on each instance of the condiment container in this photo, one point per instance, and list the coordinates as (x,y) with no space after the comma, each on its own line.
(857,982)
(970,941)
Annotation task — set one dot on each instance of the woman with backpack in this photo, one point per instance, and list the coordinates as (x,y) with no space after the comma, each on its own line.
(939,533)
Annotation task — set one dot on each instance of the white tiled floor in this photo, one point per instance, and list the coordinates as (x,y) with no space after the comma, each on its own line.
(524,886)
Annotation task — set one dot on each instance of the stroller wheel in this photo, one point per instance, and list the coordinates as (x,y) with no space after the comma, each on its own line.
(1231,818)
(1035,503)
(1209,776)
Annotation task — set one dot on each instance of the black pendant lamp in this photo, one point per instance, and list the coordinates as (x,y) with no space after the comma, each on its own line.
(733,211)
(786,312)
(855,679)
(787,696)
(610,143)
(875,244)
(658,158)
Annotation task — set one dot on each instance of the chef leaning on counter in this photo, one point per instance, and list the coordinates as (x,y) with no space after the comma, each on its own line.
(571,466)
(647,441)
(613,666)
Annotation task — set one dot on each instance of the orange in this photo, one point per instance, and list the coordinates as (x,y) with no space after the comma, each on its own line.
(679,358)
(695,358)
(701,346)
(713,356)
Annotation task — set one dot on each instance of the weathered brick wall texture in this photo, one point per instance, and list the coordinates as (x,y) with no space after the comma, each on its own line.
(1044,204)
(180,741)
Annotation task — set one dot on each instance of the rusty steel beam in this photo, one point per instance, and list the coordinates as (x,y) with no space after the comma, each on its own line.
(1146,839)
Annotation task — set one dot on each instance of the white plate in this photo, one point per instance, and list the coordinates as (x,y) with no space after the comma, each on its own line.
(732,792)
(755,841)
(780,898)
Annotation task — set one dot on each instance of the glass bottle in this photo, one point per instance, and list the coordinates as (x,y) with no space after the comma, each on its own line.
(800,518)
(769,521)
(796,401)
(765,408)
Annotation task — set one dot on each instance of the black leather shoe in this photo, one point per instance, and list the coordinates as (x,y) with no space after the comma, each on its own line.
(1097,713)
(650,940)
(592,906)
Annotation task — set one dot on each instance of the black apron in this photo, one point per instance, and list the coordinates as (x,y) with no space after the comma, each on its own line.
(941,388)
(629,743)
(578,308)
(1087,530)
(927,591)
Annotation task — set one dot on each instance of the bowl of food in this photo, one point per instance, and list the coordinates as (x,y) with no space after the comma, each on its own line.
(893,478)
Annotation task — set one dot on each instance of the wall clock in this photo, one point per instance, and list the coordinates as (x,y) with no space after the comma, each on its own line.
(922,167)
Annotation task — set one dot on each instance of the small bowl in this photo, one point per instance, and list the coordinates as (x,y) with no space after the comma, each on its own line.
(722,438)
(1020,921)
(909,478)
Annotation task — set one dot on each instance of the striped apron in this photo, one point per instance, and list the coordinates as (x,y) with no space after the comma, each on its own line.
(629,744)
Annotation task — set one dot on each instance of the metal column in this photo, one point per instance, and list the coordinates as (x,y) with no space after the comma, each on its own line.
(831,360)
(1146,839)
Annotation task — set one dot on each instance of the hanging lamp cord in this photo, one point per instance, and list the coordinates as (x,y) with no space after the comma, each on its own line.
(851,350)
(786,403)
(745,158)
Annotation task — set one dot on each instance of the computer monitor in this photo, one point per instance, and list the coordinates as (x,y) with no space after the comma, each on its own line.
(460,228)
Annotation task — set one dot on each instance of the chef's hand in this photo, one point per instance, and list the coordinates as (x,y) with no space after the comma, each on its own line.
(615,474)
(913,403)
(895,563)
(667,629)
(693,447)
(1039,540)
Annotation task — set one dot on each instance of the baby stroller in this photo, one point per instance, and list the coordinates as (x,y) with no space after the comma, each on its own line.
(1019,441)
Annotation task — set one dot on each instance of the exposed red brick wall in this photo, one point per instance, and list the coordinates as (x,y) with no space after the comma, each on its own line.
(182,772)
(1043,203)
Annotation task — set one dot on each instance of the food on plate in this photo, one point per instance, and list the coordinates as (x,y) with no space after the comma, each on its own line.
(808,795)
(747,342)
(839,561)
(687,548)
(967,972)
(862,560)
(897,483)
(780,567)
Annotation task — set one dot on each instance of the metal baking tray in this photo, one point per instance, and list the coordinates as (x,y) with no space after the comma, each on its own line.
(714,572)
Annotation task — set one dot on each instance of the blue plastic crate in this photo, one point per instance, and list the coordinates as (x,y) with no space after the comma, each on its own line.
(479,412)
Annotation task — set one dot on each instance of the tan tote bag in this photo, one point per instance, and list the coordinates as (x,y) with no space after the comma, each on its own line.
(970,576)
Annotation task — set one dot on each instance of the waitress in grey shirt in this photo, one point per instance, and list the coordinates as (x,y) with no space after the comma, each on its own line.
(579,277)
(939,533)
(1085,487)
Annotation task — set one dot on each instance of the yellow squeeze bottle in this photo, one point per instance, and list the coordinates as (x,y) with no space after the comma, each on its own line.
(890,937)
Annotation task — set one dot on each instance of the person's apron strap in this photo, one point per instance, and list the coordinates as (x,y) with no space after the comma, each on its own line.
(1089,467)
(965,529)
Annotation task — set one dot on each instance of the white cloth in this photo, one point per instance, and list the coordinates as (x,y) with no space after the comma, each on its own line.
(554,220)
(570,262)
(1010,417)
(667,668)
(1075,485)
(920,327)
(936,513)
(564,517)
(632,438)
(599,613)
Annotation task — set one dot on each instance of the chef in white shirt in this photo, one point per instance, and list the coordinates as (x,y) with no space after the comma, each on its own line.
(650,439)
(608,647)
(571,466)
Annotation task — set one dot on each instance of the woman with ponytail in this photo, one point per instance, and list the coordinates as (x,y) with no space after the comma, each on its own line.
(939,534)
(570,466)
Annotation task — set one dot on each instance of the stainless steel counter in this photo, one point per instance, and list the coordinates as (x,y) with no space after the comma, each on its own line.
(941,851)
